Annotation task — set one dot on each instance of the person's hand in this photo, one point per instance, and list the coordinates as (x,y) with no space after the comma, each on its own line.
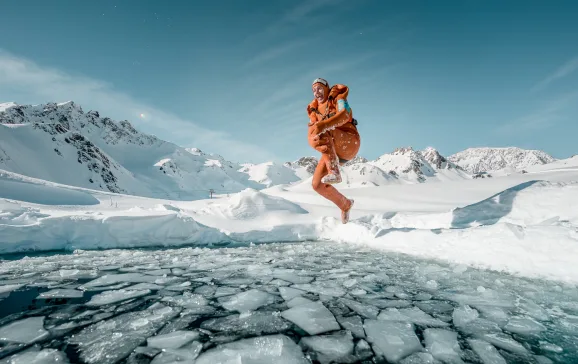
(318,128)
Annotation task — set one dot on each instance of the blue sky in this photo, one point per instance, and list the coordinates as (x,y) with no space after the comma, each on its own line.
(234,77)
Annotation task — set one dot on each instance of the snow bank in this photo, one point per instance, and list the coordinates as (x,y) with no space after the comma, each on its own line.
(514,224)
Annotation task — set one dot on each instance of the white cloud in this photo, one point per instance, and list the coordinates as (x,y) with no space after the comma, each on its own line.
(36,84)
(565,70)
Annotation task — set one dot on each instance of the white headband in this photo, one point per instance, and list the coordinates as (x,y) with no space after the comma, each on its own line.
(320,80)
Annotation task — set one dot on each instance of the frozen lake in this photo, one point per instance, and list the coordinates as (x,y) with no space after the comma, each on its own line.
(277,303)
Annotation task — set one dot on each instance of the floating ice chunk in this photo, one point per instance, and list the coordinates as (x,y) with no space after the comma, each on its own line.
(467,319)
(495,314)
(289,293)
(326,290)
(157,272)
(278,349)
(366,311)
(226,291)
(109,279)
(182,322)
(413,315)
(248,301)
(423,296)
(380,303)
(524,326)
(544,345)
(533,310)
(349,283)
(435,307)
(186,354)
(298,301)
(35,356)
(237,281)
(505,342)
(104,288)
(362,350)
(109,297)
(187,300)
(487,297)
(151,286)
(10,287)
(443,345)
(353,324)
(313,317)
(540,359)
(173,340)
(61,293)
(257,323)
(486,351)
(179,287)
(206,290)
(279,283)
(337,347)
(392,340)
(420,358)
(111,340)
(25,331)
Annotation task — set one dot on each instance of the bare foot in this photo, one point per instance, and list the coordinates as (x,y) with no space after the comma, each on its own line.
(345,213)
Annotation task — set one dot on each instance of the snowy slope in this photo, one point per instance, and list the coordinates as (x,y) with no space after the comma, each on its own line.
(269,173)
(475,160)
(523,223)
(63,144)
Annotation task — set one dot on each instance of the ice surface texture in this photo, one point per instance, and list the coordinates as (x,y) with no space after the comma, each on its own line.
(277,303)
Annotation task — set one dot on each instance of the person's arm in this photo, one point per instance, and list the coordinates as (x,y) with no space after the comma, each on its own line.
(338,92)
(337,120)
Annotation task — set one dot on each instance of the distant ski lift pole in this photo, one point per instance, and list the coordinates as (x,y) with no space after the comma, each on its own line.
(211,191)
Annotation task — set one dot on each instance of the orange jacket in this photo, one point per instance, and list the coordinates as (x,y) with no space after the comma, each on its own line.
(336,119)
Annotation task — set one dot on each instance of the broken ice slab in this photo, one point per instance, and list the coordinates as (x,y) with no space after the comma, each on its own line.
(173,340)
(289,293)
(278,349)
(505,342)
(313,317)
(111,340)
(485,297)
(110,279)
(291,275)
(467,320)
(443,345)
(36,356)
(256,323)
(151,286)
(385,303)
(104,288)
(25,331)
(61,293)
(524,326)
(179,287)
(157,272)
(226,291)
(185,354)
(187,300)
(413,315)
(63,274)
(332,348)
(532,309)
(353,324)
(391,339)
(206,291)
(435,307)
(247,301)
(362,350)
(180,323)
(366,311)
(486,351)
(109,297)
(298,301)
(10,287)
(327,290)
(420,358)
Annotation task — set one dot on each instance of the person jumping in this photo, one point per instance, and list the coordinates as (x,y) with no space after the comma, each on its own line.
(333,132)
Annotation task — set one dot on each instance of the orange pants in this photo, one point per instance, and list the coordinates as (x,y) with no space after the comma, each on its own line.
(336,147)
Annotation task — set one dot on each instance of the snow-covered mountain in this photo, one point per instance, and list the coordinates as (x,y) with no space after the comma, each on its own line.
(62,143)
(476,160)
